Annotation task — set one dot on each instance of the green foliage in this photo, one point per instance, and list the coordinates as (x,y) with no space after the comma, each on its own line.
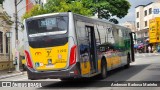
(106,9)
(65,5)
(1,1)
(36,10)
(54,6)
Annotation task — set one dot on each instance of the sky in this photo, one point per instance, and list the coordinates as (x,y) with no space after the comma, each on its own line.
(131,13)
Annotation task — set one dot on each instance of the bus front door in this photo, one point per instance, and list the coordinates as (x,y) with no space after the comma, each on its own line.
(132,46)
(92,48)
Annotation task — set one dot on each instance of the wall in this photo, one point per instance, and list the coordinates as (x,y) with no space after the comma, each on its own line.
(9,7)
(140,19)
(5,25)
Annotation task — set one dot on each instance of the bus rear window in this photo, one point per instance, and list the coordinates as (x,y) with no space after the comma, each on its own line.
(47,26)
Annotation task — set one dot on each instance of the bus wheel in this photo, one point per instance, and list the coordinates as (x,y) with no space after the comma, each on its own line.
(103,74)
(128,61)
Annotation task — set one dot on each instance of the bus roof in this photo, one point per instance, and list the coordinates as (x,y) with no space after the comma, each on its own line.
(94,19)
(100,20)
(44,15)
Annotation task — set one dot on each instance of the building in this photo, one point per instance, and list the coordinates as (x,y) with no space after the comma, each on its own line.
(7,18)
(5,25)
(144,13)
(130,24)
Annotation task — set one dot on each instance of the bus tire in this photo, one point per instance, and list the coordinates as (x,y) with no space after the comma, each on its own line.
(103,74)
(128,61)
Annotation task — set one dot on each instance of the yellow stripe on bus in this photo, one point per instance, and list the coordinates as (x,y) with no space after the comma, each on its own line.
(85,67)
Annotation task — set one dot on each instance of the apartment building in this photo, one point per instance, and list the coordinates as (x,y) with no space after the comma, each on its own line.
(130,25)
(143,14)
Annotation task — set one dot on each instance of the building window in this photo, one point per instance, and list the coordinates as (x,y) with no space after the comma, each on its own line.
(6,44)
(150,10)
(145,23)
(137,24)
(1,42)
(145,13)
(137,14)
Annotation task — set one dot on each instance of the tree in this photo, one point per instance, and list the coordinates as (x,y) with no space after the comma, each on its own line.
(1,1)
(107,9)
(64,6)
(54,6)
(36,10)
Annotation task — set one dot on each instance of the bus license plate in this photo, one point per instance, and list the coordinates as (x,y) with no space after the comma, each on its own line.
(49,66)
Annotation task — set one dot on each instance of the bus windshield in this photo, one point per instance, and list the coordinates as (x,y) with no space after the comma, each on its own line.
(47,26)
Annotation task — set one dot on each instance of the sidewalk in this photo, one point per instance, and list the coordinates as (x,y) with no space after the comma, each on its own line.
(147,54)
(5,74)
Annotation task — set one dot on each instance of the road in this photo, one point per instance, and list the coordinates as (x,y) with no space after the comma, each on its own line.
(145,68)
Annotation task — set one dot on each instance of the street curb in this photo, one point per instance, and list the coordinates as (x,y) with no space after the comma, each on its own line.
(12,75)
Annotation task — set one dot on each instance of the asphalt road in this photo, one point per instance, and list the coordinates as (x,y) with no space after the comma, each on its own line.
(145,68)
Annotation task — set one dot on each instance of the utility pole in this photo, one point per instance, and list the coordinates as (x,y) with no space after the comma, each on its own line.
(16,58)
(16,19)
(16,36)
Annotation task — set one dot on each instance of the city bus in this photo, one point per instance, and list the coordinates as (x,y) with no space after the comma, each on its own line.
(67,45)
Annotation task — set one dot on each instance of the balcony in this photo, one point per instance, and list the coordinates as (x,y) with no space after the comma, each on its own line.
(5,16)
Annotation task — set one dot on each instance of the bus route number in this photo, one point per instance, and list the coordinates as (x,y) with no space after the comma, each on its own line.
(61,50)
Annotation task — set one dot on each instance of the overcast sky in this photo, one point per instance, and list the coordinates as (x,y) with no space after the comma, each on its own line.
(131,14)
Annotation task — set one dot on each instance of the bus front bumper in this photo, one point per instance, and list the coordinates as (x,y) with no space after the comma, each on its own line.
(67,73)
